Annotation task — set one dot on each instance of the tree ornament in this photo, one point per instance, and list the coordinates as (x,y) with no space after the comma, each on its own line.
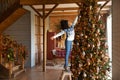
(83,53)
(77,36)
(98,61)
(86,36)
(91,55)
(81,34)
(93,46)
(84,74)
(77,43)
(106,58)
(80,65)
(93,25)
(83,49)
(101,26)
(88,61)
(98,70)
(98,44)
(98,30)
(88,45)
(93,39)
(103,55)
(96,34)
(90,7)
(101,52)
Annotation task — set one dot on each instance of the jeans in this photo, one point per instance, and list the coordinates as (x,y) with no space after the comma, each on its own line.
(68,47)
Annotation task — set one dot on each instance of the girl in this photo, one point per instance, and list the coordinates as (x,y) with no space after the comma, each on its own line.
(69,30)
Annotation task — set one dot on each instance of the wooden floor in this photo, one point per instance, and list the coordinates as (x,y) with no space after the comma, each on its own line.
(37,74)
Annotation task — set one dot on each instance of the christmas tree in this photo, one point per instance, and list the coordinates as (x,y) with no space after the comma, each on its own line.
(89,60)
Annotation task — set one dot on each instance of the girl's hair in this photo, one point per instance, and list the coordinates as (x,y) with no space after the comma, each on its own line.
(64,24)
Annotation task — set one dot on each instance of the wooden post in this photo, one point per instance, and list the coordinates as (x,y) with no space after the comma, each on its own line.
(38,44)
(10,68)
(23,63)
(44,40)
(0,58)
(44,36)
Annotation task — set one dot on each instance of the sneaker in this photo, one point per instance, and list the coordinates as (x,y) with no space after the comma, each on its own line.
(67,69)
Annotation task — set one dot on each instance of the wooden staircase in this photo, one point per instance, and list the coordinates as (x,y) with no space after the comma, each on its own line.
(13,65)
(17,70)
(5,72)
(12,18)
(9,13)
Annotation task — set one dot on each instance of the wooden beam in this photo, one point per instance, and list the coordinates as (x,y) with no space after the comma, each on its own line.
(37,2)
(60,9)
(51,10)
(104,4)
(104,11)
(78,4)
(63,13)
(72,13)
(36,11)
(12,19)
(44,41)
(63,9)
(107,6)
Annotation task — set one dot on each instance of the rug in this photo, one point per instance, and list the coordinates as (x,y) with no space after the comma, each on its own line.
(57,67)
(53,65)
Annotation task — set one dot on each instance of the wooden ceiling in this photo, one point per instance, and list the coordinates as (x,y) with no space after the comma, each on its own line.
(38,2)
(59,7)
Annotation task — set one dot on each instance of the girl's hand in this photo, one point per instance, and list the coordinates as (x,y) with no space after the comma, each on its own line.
(51,38)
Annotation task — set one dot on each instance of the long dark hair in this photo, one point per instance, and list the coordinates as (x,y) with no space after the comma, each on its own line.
(64,24)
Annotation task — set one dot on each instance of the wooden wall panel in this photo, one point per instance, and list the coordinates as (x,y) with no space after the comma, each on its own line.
(55,21)
(116,40)
(20,31)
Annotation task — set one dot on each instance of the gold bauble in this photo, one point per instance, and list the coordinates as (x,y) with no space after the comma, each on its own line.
(91,55)
(93,25)
(98,44)
(88,45)
(98,30)
(80,65)
(101,25)
(85,75)
(88,63)
(93,39)
(101,52)
(96,34)
(98,69)
(90,7)
(83,49)
(86,36)
(77,36)
(83,53)
(93,46)
(81,34)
